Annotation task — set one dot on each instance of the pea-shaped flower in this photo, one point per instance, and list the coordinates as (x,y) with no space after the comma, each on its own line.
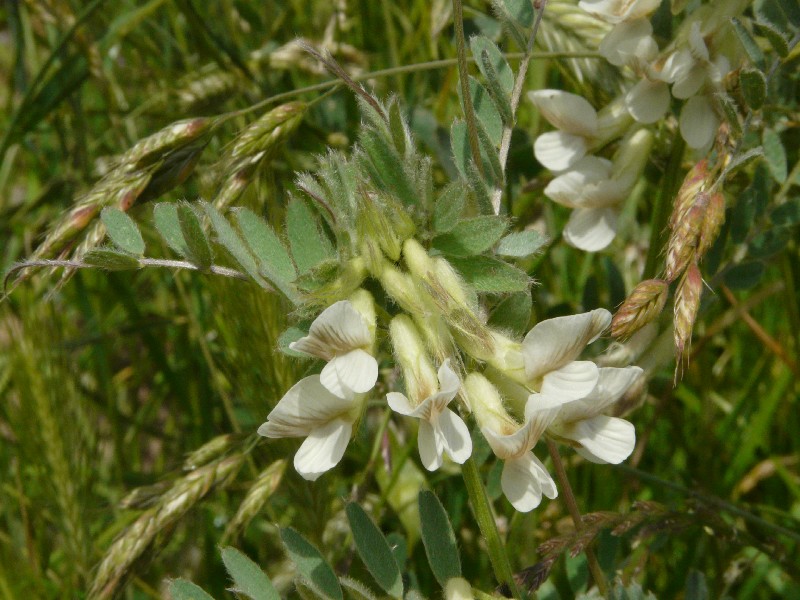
(440,429)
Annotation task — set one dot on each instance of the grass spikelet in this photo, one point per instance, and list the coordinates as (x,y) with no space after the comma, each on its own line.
(209,451)
(174,504)
(687,302)
(693,184)
(712,223)
(255,499)
(174,136)
(255,145)
(641,307)
(682,245)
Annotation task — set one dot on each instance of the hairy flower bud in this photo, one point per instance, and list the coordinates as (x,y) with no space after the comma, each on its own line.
(486,404)
(420,376)
(642,306)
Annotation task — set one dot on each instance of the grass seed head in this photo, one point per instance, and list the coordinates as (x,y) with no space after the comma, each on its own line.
(687,302)
(642,306)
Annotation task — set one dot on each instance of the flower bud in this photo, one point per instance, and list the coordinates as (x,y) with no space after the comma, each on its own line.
(458,588)
(486,404)
(420,376)
(632,156)
(402,288)
(364,303)
(612,121)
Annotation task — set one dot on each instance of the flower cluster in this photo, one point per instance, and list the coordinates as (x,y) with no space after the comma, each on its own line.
(594,187)
(517,391)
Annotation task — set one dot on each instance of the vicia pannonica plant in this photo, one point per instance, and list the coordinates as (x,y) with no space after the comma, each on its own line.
(466,294)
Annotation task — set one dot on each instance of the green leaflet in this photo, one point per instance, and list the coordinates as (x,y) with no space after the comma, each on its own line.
(250,580)
(471,236)
(311,565)
(122,230)
(374,551)
(438,538)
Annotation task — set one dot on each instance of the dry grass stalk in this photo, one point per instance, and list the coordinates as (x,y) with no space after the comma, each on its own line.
(257,496)
(687,302)
(256,144)
(174,504)
(641,307)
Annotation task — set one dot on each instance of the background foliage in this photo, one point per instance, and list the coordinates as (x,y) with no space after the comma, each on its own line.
(110,383)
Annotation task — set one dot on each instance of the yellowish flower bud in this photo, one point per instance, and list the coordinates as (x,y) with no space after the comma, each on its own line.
(457,588)
(420,376)
(486,404)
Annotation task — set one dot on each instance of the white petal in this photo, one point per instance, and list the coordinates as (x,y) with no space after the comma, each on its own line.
(591,229)
(353,372)
(574,380)
(399,403)
(337,330)
(647,101)
(449,383)
(627,41)
(697,46)
(575,187)
(677,66)
(455,435)
(616,11)
(568,112)
(323,449)
(558,151)
(431,445)
(306,406)
(553,343)
(540,411)
(690,83)
(606,439)
(523,481)
(613,382)
(698,122)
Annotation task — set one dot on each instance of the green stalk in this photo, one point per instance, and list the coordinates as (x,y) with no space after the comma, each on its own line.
(572,506)
(483,514)
(662,208)
(463,75)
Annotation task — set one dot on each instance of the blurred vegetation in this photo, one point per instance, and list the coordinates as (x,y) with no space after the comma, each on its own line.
(109,382)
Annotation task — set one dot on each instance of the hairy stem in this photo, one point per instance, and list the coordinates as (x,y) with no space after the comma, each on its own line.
(483,514)
(466,97)
(516,95)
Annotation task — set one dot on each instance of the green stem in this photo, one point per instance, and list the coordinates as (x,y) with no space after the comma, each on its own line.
(661,210)
(483,514)
(463,75)
(572,506)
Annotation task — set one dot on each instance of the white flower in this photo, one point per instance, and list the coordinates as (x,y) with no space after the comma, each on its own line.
(698,122)
(342,336)
(597,437)
(577,125)
(525,479)
(597,188)
(617,11)
(551,347)
(629,43)
(310,410)
(440,429)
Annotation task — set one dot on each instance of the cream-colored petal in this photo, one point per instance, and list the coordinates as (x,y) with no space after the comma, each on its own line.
(690,84)
(553,343)
(557,150)
(647,101)
(570,188)
(677,66)
(455,435)
(431,446)
(449,383)
(698,122)
(337,330)
(607,439)
(612,383)
(540,411)
(568,112)
(352,373)
(616,11)
(572,381)
(306,406)
(323,449)
(627,41)
(697,45)
(591,229)
(399,403)
(523,481)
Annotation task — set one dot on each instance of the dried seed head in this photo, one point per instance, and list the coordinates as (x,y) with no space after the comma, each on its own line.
(687,301)
(264,134)
(712,223)
(154,147)
(682,245)
(642,306)
(693,184)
